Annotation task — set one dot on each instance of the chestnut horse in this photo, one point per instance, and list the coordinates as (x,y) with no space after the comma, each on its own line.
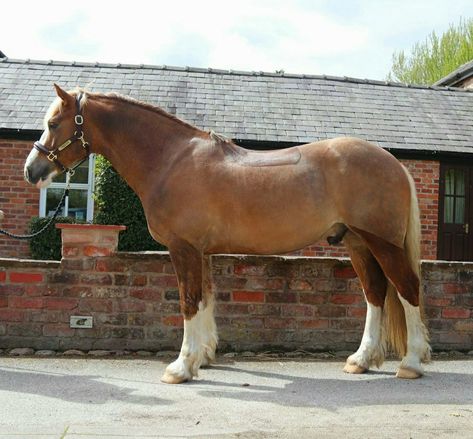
(202,195)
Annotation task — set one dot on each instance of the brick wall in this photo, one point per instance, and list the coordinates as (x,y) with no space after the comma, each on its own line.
(262,302)
(426,174)
(18,199)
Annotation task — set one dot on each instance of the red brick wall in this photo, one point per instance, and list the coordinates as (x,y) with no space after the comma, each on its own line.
(426,174)
(18,199)
(262,303)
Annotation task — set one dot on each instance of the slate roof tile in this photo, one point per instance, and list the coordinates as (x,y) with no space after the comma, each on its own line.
(255,106)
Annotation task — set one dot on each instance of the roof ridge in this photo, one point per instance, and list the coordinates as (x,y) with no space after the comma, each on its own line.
(456,75)
(210,70)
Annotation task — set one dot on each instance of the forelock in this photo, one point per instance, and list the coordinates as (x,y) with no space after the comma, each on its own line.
(54,108)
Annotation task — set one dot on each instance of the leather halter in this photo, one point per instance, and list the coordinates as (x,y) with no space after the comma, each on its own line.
(52,155)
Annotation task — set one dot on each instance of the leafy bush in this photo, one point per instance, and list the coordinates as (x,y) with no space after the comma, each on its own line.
(116,203)
(47,246)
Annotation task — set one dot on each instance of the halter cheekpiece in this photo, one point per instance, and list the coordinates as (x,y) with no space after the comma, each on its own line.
(52,155)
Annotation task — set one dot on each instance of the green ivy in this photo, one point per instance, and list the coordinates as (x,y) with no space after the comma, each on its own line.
(47,246)
(116,203)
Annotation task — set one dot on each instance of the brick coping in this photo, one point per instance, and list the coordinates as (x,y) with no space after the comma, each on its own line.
(242,257)
(90,226)
(30,263)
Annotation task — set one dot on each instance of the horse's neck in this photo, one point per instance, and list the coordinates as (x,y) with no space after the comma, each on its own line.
(137,141)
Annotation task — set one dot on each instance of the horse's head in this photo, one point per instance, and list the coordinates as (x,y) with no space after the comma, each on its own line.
(62,146)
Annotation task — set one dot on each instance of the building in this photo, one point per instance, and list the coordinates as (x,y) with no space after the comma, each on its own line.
(430,129)
(461,77)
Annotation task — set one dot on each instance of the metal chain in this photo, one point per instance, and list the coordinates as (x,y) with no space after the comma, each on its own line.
(47,225)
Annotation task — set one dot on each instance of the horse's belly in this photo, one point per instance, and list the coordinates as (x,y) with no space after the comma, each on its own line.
(281,233)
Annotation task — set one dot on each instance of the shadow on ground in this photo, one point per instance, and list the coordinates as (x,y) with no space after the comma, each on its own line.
(88,389)
(246,382)
(374,388)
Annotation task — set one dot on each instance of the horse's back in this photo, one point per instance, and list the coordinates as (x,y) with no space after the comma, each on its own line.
(250,158)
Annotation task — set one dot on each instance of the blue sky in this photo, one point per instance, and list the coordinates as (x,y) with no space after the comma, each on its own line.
(344,38)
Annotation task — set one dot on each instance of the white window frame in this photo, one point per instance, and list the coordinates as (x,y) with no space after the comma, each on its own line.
(83,186)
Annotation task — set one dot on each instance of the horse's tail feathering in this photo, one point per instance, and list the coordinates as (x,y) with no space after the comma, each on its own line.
(396,330)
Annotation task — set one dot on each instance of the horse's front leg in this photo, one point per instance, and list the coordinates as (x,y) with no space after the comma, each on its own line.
(197,306)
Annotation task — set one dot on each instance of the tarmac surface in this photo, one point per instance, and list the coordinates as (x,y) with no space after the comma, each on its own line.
(70,398)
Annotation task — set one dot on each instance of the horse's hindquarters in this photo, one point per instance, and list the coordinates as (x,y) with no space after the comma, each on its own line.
(369,188)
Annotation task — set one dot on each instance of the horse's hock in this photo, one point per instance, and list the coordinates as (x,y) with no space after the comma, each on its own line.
(269,302)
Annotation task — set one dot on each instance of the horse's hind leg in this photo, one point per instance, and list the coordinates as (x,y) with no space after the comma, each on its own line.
(197,306)
(372,347)
(395,264)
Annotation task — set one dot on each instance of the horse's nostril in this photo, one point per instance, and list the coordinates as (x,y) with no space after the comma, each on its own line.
(30,175)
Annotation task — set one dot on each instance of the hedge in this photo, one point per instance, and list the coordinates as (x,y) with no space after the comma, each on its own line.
(116,203)
(47,246)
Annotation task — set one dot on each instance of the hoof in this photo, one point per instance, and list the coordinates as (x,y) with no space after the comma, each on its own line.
(354,368)
(408,373)
(169,378)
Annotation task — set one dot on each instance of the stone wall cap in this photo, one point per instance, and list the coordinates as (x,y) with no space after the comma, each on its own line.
(90,226)
(28,263)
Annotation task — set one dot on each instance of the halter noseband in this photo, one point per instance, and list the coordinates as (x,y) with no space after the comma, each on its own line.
(52,155)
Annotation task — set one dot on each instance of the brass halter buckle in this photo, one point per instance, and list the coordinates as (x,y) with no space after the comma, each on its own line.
(52,157)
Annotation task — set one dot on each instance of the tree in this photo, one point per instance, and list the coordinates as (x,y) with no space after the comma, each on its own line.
(436,57)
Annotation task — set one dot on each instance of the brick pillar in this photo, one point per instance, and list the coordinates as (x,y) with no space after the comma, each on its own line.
(89,240)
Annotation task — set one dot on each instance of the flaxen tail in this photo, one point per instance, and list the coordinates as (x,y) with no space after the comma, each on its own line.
(395,319)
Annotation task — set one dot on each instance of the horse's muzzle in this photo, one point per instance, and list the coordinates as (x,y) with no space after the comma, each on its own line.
(36,172)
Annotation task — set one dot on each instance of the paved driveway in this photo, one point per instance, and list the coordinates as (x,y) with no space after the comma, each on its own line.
(68,398)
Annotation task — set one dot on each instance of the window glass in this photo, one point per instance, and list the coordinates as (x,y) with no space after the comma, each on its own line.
(77,206)
(448,210)
(81,174)
(52,200)
(460,210)
(459,182)
(450,182)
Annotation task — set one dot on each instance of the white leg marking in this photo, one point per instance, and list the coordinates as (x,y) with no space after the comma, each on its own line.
(198,345)
(418,349)
(209,331)
(372,348)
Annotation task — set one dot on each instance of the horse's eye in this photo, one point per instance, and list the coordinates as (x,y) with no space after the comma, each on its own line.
(52,125)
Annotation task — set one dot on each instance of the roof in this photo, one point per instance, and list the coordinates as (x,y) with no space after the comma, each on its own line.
(457,76)
(255,106)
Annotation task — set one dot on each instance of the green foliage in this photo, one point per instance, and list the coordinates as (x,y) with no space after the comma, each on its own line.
(47,246)
(435,57)
(116,203)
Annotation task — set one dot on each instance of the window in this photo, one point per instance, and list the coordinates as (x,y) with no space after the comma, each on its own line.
(454,204)
(79,204)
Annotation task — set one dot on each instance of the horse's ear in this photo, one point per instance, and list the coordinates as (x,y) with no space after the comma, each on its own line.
(66,98)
